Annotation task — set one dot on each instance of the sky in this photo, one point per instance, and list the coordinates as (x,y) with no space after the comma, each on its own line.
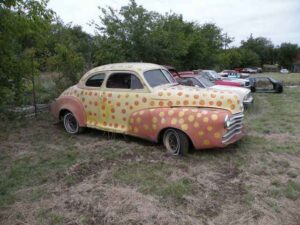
(277,20)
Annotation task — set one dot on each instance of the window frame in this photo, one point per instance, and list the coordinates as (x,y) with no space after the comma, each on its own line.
(144,89)
(83,83)
(93,75)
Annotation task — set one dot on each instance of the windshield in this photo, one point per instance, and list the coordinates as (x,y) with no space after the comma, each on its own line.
(159,77)
(205,82)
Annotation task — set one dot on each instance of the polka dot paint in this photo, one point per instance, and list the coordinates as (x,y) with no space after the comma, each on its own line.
(198,112)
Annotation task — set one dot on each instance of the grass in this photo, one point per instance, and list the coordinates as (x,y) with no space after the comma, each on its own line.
(50,177)
(153,179)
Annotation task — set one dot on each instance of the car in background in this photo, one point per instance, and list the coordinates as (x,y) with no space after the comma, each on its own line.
(243,93)
(233,74)
(265,84)
(258,69)
(249,70)
(284,71)
(144,100)
(217,79)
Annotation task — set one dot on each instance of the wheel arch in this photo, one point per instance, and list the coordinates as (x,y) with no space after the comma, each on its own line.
(160,135)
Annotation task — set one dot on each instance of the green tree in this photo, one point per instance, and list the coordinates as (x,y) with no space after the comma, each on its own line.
(286,54)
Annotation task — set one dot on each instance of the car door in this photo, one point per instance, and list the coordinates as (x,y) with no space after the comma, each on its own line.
(93,91)
(123,94)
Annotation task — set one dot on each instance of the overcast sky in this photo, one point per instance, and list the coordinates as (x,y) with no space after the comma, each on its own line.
(277,20)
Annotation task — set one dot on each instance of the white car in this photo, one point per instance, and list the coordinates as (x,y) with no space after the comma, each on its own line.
(200,81)
(284,71)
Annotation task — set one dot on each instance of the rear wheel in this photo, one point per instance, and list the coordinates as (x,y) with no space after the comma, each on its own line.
(176,142)
(70,124)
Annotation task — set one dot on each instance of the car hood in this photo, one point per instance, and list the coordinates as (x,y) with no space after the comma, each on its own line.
(239,90)
(187,96)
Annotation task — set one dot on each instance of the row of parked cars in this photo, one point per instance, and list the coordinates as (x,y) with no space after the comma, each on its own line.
(200,109)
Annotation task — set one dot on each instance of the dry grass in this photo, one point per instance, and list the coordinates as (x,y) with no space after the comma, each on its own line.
(49,177)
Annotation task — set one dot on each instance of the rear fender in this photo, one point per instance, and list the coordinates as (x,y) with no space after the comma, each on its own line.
(71,104)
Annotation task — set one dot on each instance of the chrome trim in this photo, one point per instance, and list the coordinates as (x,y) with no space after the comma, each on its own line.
(235,127)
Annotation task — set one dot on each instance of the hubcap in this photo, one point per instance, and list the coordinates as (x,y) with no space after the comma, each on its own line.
(172,142)
(70,123)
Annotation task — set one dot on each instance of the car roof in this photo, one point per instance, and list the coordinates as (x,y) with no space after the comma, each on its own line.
(138,67)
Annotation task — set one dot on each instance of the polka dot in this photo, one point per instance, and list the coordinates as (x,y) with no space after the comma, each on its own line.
(209,128)
(170,103)
(196,96)
(232,107)
(144,100)
(146,127)
(185,102)
(171,112)
(181,121)
(161,103)
(196,124)
(161,114)
(123,111)
(136,103)
(191,118)
(205,119)
(184,127)
(139,120)
(214,117)
(211,102)
(154,120)
(109,95)
(200,133)
(131,120)
(169,93)
(174,121)
(112,110)
(135,129)
(179,93)
(229,101)
(202,102)
(206,142)
(217,135)
(213,95)
(163,120)
(141,112)
(152,103)
(181,114)
(103,107)
(177,102)
(160,93)
(219,103)
(199,115)
(118,104)
(154,126)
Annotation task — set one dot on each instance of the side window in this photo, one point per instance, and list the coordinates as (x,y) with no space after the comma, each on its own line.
(95,81)
(124,81)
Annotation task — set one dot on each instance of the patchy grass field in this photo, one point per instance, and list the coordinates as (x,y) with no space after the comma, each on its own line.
(50,177)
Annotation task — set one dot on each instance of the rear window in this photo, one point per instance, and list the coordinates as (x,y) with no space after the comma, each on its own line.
(95,81)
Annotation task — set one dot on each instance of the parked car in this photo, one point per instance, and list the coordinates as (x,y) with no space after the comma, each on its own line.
(243,93)
(265,84)
(233,74)
(249,70)
(144,100)
(218,80)
(284,71)
(258,69)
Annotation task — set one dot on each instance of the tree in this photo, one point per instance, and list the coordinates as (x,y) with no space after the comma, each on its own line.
(286,54)
(262,47)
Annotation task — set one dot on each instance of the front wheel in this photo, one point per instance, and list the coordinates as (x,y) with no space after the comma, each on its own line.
(176,142)
(70,124)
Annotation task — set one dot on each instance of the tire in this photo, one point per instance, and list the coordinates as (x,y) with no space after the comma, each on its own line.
(176,142)
(70,124)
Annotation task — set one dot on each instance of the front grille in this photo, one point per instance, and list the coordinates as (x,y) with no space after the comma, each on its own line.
(236,124)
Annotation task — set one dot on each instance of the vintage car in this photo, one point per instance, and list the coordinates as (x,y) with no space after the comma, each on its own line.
(265,84)
(217,79)
(144,100)
(243,93)
(232,74)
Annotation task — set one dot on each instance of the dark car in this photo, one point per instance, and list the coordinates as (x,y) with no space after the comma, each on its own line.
(265,84)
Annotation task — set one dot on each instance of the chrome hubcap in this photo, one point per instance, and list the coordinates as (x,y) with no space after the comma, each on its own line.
(171,141)
(70,123)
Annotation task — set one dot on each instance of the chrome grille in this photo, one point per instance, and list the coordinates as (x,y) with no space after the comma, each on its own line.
(236,124)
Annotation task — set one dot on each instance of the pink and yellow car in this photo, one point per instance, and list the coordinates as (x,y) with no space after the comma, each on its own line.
(144,100)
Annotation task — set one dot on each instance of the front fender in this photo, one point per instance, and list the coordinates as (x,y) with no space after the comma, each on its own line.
(71,104)
(204,126)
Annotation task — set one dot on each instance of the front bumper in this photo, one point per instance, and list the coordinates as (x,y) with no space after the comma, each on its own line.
(248,101)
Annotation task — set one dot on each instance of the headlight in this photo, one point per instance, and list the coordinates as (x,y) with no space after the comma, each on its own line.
(227,122)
